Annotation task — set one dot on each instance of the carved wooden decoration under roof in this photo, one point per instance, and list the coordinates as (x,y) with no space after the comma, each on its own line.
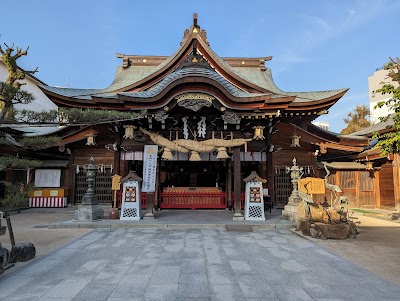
(194,101)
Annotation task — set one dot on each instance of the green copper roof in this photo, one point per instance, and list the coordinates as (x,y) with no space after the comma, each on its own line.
(264,80)
(130,75)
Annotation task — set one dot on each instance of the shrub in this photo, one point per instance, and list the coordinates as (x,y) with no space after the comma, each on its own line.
(15,196)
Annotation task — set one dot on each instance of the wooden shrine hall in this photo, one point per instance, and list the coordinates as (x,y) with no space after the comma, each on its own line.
(213,119)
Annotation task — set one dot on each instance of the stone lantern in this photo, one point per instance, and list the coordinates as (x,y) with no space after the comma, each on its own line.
(90,209)
(290,210)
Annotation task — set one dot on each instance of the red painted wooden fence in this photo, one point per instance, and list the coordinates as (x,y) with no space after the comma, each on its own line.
(193,199)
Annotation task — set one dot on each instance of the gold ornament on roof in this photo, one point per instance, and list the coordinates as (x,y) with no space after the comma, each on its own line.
(90,139)
(295,141)
(129,131)
(259,132)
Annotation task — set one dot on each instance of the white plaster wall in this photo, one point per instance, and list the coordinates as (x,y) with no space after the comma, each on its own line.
(41,102)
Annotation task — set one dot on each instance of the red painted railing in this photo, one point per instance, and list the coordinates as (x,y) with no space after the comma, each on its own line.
(193,199)
(143,199)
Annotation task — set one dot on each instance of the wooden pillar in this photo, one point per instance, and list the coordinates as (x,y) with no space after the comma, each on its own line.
(149,205)
(229,183)
(117,154)
(72,177)
(358,194)
(396,180)
(270,177)
(157,192)
(237,183)
(377,189)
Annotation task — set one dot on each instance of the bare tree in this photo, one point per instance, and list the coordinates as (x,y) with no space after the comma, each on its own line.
(10,90)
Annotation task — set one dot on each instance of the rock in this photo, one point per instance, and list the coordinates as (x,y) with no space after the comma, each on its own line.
(305,226)
(314,232)
(4,256)
(334,231)
(319,213)
(22,252)
(3,230)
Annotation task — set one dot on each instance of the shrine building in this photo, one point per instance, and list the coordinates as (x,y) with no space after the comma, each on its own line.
(213,119)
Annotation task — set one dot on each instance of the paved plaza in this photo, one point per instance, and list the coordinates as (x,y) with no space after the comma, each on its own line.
(193,264)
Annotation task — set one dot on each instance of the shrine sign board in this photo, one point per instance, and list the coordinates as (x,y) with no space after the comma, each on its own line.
(312,185)
(116,182)
(149,168)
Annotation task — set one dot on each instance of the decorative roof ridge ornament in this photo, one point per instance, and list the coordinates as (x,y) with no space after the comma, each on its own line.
(195,29)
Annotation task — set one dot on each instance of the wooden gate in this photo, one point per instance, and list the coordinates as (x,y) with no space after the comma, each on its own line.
(367,190)
(283,186)
(102,186)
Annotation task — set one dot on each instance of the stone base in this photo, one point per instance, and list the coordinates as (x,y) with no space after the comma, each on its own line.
(238,217)
(289,212)
(328,231)
(89,213)
(149,215)
(3,230)
(4,256)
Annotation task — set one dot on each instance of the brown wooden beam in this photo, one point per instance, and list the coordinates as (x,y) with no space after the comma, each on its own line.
(237,183)
(229,183)
(396,181)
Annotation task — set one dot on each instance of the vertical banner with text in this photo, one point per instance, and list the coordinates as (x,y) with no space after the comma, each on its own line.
(149,168)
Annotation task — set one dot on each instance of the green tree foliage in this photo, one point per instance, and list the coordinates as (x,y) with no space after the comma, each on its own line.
(71,116)
(15,162)
(16,195)
(40,142)
(357,120)
(390,142)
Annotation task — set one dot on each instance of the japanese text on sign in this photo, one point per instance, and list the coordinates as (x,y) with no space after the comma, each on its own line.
(149,168)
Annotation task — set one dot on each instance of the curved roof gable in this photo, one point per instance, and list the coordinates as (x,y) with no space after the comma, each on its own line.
(144,76)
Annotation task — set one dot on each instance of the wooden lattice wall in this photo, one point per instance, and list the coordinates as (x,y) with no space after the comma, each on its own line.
(102,186)
(283,187)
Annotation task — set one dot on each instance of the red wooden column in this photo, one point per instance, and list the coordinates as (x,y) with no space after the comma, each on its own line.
(237,184)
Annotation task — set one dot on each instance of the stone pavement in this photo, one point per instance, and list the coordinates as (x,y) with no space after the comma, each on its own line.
(179,218)
(193,264)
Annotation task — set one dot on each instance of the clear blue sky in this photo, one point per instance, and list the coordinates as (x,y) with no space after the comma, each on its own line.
(315,44)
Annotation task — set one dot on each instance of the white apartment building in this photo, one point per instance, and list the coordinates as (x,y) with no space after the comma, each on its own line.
(374,84)
(322,124)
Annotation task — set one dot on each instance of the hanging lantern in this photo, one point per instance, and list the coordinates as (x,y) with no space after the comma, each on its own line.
(90,139)
(222,154)
(195,156)
(369,165)
(259,132)
(295,141)
(129,130)
(167,154)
